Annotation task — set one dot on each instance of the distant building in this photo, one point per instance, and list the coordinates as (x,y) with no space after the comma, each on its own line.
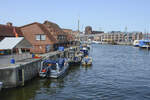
(9,30)
(70,34)
(115,32)
(69,31)
(88,30)
(146,36)
(97,32)
(117,36)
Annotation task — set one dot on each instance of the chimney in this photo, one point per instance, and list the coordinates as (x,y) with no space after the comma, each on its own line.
(9,24)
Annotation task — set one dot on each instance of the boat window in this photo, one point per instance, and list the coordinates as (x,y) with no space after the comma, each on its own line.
(146,43)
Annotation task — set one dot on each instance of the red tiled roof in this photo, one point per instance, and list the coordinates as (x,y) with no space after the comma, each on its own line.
(51,37)
(7,31)
(55,27)
(29,24)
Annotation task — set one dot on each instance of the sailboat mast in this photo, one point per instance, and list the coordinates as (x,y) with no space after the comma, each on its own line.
(78,25)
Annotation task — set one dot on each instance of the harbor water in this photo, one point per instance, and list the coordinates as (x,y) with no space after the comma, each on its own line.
(118,73)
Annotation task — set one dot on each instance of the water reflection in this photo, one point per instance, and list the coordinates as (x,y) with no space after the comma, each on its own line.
(86,68)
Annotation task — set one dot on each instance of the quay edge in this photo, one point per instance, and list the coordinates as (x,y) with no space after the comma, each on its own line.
(13,76)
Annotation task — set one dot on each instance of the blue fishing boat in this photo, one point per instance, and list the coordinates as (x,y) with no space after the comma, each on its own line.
(54,68)
(144,43)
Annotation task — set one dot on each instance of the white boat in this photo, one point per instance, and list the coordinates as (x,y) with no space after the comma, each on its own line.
(1,85)
(53,69)
(136,43)
(87,61)
(95,42)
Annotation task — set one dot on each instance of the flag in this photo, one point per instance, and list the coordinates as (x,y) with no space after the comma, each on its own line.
(14,31)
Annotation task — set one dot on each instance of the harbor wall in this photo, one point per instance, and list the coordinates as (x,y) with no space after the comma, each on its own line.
(17,75)
(8,77)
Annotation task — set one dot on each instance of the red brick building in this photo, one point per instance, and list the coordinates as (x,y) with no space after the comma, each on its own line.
(70,34)
(9,30)
(44,37)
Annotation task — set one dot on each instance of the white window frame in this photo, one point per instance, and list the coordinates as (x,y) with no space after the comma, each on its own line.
(40,37)
(43,37)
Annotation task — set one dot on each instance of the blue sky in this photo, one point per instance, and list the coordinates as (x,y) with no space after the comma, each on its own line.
(104,15)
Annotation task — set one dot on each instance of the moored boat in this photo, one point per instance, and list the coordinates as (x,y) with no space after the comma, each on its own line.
(87,61)
(74,57)
(75,61)
(136,43)
(95,42)
(144,43)
(53,68)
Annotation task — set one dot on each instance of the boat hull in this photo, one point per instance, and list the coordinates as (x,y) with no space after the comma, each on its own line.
(144,47)
(136,45)
(86,64)
(87,61)
(74,63)
(42,75)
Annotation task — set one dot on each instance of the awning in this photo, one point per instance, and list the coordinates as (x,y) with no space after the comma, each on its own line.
(9,43)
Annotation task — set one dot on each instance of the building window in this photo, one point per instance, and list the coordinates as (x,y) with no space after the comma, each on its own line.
(61,37)
(40,37)
(43,37)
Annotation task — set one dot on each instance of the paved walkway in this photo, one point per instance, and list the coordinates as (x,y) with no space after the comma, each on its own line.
(5,59)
